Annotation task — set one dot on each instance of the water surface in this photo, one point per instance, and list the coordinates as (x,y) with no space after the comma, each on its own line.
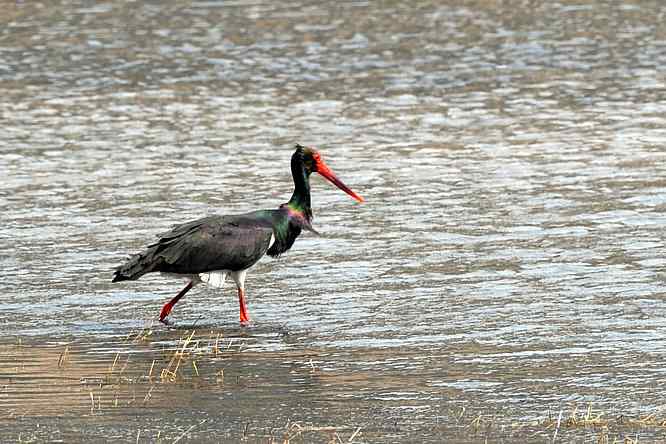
(508,258)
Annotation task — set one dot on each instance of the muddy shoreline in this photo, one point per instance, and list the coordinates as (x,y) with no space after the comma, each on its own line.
(164,384)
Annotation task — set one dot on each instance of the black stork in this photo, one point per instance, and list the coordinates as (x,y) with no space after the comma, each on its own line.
(208,249)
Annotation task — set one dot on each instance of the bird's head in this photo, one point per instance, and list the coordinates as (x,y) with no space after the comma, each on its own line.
(313,163)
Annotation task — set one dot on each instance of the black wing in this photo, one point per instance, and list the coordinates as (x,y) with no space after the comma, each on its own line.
(213,243)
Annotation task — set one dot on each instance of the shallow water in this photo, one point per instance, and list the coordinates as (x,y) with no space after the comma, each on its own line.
(508,258)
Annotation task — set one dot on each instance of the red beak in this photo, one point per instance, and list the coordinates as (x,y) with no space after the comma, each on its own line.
(325,171)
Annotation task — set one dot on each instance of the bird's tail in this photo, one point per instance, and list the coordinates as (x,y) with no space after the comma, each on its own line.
(136,266)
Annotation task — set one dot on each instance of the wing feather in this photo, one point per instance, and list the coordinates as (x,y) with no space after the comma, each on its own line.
(213,243)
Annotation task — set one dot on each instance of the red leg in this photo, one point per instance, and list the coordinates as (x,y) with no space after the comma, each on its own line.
(169,305)
(244,317)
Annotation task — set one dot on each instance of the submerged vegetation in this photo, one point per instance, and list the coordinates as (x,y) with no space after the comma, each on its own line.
(145,371)
(164,369)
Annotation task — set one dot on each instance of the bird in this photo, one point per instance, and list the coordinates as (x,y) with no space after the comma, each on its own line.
(209,249)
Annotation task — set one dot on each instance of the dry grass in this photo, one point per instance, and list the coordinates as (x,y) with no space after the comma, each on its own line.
(305,433)
(149,367)
(64,357)
(590,418)
(182,355)
(155,368)
(604,427)
(609,428)
(177,364)
(175,358)
(142,335)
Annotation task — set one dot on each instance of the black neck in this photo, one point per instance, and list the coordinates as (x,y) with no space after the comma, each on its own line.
(300,200)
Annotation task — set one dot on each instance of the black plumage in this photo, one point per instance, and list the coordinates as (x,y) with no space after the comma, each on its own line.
(232,244)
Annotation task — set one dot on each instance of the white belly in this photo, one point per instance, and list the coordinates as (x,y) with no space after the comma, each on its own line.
(215,278)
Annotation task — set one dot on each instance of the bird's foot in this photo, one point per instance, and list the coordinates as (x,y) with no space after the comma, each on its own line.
(165,312)
(244,317)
